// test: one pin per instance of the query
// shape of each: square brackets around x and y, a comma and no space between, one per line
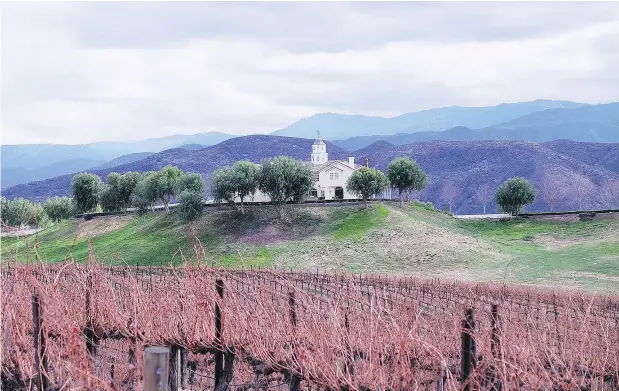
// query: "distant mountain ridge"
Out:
[466,164]
[599,123]
[39,155]
[13,176]
[341,126]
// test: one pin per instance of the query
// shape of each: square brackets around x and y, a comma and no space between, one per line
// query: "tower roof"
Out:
[319,142]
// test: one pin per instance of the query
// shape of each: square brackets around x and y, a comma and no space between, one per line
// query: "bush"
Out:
[190,206]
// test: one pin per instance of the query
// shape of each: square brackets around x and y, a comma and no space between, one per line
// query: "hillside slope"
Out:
[384,239]
[595,154]
[467,164]
[472,163]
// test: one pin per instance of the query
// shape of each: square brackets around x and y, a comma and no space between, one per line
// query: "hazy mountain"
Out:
[31,156]
[467,164]
[13,176]
[193,146]
[340,126]
[124,159]
[598,123]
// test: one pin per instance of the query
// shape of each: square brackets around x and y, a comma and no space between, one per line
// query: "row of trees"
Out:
[285,179]
[21,212]
[139,190]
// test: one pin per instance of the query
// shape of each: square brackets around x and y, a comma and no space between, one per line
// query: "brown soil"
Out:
[99,226]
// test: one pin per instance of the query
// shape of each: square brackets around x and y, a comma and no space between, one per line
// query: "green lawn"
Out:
[384,238]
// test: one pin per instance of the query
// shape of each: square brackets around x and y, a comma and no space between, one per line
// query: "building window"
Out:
[334,176]
[316,176]
[314,192]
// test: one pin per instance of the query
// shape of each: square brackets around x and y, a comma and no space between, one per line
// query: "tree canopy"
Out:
[59,208]
[514,194]
[86,189]
[284,179]
[405,175]
[367,182]
[190,182]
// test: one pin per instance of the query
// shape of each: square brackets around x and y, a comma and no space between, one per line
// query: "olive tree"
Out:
[405,175]
[514,194]
[241,180]
[20,212]
[246,180]
[144,195]
[110,195]
[222,185]
[166,183]
[86,189]
[190,207]
[284,179]
[17,212]
[191,182]
[59,208]
[126,187]
[3,208]
[367,182]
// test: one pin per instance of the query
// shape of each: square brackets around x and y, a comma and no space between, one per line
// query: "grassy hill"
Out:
[384,239]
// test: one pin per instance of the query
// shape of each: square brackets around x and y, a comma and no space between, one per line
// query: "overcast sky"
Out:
[84,72]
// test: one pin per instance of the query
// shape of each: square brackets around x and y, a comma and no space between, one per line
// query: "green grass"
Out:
[383,238]
[358,224]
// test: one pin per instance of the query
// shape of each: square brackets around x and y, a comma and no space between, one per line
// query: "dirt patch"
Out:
[553,242]
[99,226]
[268,235]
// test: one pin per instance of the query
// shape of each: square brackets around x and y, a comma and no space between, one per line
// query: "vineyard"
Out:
[85,326]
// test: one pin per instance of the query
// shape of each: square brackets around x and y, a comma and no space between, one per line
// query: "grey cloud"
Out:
[301,27]
[81,72]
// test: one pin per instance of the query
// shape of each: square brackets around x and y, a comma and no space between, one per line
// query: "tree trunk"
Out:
[281,210]
[366,203]
[401,199]
[242,207]
[166,207]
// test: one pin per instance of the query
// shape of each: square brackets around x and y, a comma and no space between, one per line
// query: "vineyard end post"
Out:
[468,325]
[156,369]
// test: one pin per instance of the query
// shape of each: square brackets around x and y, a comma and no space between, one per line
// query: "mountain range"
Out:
[466,165]
[539,121]
[599,123]
[339,126]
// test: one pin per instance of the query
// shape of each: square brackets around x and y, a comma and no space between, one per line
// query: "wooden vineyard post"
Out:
[175,368]
[295,380]
[156,370]
[40,360]
[468,349]
[219,354]
[495,347]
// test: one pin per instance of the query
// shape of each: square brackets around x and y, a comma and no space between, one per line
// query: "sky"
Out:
[85,72]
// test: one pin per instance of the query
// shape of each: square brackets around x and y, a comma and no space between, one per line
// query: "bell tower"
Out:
[319,150]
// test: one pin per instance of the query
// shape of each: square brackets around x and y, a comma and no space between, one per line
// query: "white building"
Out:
[330,176]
